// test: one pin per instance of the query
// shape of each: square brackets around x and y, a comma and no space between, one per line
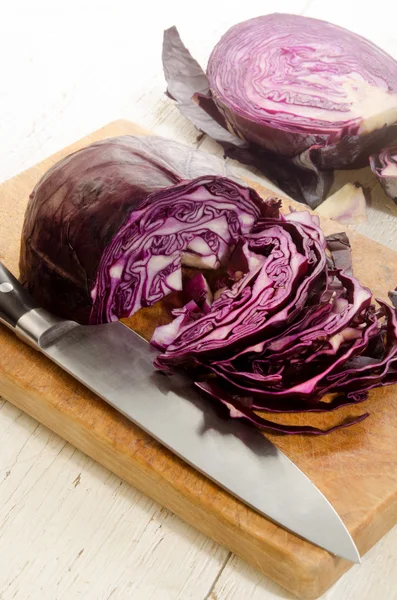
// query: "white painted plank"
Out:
[71,529]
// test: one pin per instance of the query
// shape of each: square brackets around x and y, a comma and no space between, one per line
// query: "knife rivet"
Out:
[6,287]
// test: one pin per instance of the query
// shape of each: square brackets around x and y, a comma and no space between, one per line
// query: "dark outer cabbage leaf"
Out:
[185,77]
[393,297]
[339,246]
[384,165]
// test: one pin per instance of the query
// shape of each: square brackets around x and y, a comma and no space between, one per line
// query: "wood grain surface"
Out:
[355,468]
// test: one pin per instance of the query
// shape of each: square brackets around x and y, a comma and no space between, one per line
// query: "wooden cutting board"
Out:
[355,468]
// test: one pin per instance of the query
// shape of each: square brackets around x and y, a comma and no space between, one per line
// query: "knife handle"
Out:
[20,312]
[14,299]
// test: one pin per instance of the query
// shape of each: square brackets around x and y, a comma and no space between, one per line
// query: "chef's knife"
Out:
[117,364]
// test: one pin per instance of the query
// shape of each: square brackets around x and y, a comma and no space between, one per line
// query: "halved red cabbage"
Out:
[82,202]
[289,86]
[384,165]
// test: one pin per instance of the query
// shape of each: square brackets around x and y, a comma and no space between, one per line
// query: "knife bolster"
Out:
[34,324]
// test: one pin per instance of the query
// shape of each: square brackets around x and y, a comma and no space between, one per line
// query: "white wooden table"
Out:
[69,528]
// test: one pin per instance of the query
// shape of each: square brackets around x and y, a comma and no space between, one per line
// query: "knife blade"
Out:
[117,364]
